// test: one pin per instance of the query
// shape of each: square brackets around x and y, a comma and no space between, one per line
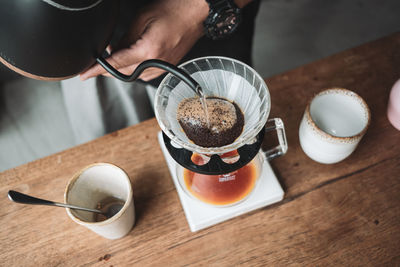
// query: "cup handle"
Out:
[281,149]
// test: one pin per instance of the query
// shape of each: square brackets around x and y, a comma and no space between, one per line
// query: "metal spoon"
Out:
[108,210]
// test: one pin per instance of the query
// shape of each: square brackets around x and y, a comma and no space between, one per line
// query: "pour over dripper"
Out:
[218,77]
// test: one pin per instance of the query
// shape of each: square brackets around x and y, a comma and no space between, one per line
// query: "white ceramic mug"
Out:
[92,185]
[333,124]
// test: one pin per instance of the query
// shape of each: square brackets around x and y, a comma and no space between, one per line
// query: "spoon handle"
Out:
[25,199]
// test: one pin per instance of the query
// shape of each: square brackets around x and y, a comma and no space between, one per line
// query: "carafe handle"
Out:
[281,149]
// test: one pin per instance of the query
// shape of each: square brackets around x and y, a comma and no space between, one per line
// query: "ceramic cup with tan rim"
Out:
[333,124]
[99,183]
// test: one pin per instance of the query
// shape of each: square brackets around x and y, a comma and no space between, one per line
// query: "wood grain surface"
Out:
[345,214]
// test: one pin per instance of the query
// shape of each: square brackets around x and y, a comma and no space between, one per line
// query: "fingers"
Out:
[151,74]
[129,52]
[147,75]
[97,69]
[127,59]
[92,72]
[109,49]
[126,70]
[118,60]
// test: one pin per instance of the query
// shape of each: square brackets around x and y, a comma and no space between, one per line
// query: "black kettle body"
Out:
[55,39]
[58,39]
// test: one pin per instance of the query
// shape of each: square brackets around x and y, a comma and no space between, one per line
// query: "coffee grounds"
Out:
[226,121]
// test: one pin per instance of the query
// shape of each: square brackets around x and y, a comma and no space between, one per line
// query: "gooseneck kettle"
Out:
[58,39]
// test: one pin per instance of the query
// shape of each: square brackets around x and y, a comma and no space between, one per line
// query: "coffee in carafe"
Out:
[223,189]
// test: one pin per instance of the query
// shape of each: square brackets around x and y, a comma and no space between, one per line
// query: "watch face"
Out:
[226,22]
[223,23]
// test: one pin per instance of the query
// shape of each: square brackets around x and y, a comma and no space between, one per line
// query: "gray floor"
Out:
[289,33]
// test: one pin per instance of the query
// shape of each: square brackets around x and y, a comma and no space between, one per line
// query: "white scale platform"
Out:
[200,215]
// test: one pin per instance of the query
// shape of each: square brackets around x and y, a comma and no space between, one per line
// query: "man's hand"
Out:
[165,30]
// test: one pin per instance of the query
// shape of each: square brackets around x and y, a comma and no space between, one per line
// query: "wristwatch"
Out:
[223,19]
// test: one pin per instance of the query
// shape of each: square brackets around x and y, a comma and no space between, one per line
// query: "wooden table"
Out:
[342,214]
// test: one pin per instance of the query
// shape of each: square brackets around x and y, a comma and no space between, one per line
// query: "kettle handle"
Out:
[151,63]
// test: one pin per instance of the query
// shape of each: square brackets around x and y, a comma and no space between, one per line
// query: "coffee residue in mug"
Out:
[104,204]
